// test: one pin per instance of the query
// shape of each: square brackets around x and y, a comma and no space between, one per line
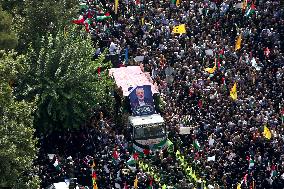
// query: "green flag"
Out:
[100,18]
[196,145]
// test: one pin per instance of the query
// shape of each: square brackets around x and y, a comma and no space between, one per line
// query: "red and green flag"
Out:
[133,160]
[273,171]
[115,156]
[250,10]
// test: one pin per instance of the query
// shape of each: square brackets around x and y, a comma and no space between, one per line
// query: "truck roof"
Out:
[145,120]
[131,76]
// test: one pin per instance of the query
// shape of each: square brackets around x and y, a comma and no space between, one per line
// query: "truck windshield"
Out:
[147,132]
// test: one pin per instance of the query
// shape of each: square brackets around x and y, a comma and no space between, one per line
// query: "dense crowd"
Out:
[229,130]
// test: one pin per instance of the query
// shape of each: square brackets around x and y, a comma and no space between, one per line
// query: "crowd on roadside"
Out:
[230,131]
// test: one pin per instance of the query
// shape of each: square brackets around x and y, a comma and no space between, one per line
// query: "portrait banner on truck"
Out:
[141,100]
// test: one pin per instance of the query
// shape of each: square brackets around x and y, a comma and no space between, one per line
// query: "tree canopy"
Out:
[17,142]
[38,18]
[8,38]
[65,79]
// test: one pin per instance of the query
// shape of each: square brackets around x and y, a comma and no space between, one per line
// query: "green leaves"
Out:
[64,77]
[8,39]
[17,142]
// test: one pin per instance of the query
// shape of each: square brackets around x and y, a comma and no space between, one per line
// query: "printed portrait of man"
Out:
[140,99]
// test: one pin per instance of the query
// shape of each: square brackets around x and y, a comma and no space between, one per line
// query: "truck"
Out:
[145,125]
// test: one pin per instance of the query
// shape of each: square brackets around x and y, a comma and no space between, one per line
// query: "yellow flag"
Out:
[136,182]
[142,21]
[233,92]
[211,70]
[177,3]
[179,29]
[266,132]
[115,6]
[239,186]
[238,42]
[95,186]
[92,166]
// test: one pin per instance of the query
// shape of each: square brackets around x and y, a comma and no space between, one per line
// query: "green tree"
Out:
[17,142]
[38,18]
[12,6]
[8,38]
[65,79]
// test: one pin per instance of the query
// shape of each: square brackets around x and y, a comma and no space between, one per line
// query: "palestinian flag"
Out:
[115,156]
[146,150]
[273,171]
[79,21]
[221,53]
[196,145]
[133,159]
[56,164]
[250,10]
[251,162]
